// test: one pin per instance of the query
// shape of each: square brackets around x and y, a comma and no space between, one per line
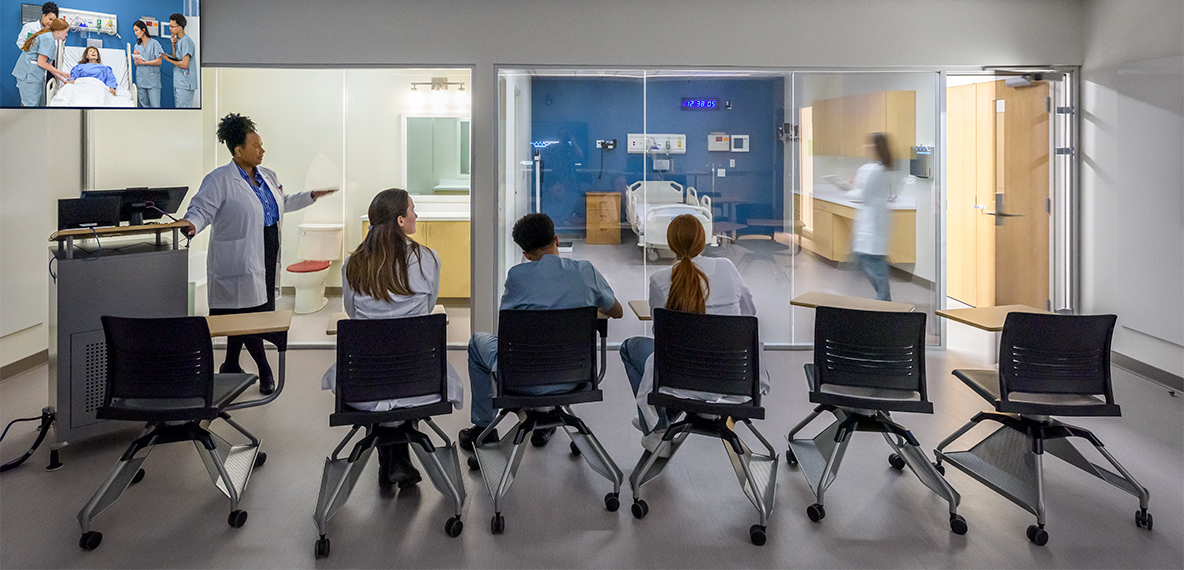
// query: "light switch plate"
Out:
[721,172]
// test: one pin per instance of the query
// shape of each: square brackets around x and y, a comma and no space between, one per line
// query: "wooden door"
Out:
[1022,179]
[961,179]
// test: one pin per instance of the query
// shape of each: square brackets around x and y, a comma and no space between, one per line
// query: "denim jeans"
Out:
[634,352]
[482,365]
[876,269]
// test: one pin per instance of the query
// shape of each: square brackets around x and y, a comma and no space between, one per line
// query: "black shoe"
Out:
[402,471]
[384,467]
[266,382]
[540,437]
[467,436]
[226,368]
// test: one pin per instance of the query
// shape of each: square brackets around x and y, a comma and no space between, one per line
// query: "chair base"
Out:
[230,467]
[340,474]
[819,458]
[756,472]
[1009,461]
[499,460]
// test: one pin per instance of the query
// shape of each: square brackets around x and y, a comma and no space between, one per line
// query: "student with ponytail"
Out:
[695,284]
[389,276]
[37,56]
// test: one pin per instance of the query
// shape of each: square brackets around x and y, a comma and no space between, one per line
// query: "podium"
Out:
[145,276]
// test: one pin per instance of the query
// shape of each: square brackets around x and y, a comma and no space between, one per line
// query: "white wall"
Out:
[1117,202]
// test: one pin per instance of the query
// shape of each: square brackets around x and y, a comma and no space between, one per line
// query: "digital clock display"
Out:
[695,103]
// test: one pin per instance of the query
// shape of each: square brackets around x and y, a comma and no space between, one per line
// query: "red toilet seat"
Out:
[311,266]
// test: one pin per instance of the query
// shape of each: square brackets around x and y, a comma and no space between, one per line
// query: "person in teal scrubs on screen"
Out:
[184,52]
[147,55]
[37,56]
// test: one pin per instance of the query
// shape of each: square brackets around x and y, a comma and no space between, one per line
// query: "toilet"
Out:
[320,244]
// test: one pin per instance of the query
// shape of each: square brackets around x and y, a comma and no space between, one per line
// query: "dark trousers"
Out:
[254,344]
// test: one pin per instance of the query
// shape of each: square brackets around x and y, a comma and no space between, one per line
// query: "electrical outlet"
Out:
[732,163]
[607,145]
[720,172]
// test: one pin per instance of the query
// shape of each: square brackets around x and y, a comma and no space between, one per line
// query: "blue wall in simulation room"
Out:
[128,11]
[604,108]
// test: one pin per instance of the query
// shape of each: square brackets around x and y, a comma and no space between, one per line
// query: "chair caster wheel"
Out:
[575,449]
[896,461]
[958,524]
[139,477]
[1037,535]
[453,526]
[321,550]
[1143,519]
[756,533]
[237,518]
[497,524]
[816,512]
[260,459]
[640,508]
[940,468]
[474,465]
[90,540]
[612,502]
[790,458]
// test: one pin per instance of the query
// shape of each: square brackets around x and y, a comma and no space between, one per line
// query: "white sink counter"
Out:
[443,208]
[835,195]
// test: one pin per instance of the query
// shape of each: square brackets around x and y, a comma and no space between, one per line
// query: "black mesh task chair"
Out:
[161,371]
[390,359]
[719,355]
[536,349]
[1049,365]
[867,364]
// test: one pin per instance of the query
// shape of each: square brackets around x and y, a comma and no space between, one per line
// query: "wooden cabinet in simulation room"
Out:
[834,225]
[451,241]
[604,217]
[841,125]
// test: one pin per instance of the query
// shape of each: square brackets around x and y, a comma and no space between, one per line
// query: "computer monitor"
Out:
[139,204]
[88,212]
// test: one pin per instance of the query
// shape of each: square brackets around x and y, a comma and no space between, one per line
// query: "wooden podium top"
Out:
[115,231]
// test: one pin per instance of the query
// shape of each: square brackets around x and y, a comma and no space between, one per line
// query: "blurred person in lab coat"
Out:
[244,203]
[869,240]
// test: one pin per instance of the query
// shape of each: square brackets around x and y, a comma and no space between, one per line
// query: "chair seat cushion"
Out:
[986,384]
[872,394]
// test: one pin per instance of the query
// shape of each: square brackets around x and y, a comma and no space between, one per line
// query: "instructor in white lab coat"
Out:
[244,203]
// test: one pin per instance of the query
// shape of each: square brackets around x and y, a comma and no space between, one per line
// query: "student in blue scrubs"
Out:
[184,50]
[39,52]
[147,54]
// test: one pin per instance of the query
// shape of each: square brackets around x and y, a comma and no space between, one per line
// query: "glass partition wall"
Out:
[761,157]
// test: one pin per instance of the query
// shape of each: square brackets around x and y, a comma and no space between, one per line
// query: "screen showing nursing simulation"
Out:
[101,54]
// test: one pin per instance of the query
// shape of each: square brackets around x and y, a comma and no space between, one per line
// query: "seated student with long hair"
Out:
[694,284]
[391,276]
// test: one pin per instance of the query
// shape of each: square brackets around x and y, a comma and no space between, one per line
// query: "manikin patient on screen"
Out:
[91,65]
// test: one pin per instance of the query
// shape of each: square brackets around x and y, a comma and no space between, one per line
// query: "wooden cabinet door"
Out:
[451,240]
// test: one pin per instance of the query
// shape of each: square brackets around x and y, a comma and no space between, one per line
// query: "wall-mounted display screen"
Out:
[698,103]
[91,54]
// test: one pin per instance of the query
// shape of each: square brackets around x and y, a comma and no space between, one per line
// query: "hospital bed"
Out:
[120,61]
[651,204]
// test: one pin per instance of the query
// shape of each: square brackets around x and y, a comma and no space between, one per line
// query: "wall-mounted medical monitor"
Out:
[100,54]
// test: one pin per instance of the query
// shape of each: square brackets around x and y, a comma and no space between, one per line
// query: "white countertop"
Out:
[835,195]
[442,208]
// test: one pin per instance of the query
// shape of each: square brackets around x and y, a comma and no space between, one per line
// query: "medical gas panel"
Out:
[642,143]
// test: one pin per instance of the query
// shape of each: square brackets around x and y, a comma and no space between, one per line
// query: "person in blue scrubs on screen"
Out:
[184,52]
[147,56]
[37,56]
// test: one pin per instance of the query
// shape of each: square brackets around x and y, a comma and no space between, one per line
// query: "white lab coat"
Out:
[236,276]
[872,222]
[27,30]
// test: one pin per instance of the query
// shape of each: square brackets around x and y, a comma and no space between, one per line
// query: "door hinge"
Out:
[1065,110]
[1048,104]
[1048,205]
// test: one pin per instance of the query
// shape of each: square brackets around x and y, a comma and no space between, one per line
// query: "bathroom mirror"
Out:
[436,154]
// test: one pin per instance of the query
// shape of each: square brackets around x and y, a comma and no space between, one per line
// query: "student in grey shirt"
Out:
[185,74]
[546,281]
